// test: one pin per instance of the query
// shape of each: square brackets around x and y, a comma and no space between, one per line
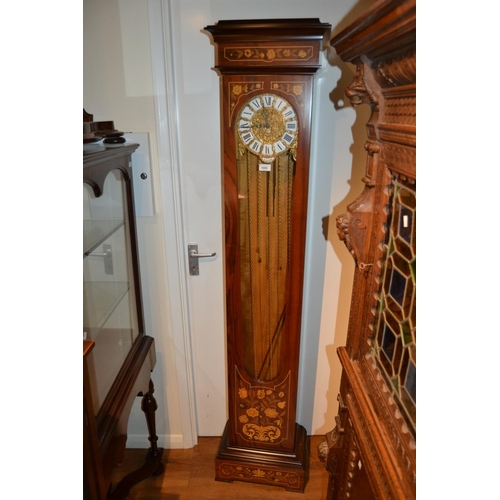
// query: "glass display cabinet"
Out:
[118,357]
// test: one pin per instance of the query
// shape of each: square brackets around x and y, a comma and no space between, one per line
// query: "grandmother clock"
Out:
[267,69]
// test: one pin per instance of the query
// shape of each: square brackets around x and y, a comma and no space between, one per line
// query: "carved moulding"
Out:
[363,226]
[330,450]
[342,453]
[400,110]
[353,466]
[400,159]
[399,71]
[357,92]
[364,233]
[332,441]
[352,226]
[374,446]
[397,429]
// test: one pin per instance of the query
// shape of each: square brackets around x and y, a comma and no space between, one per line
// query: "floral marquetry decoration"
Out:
[395,333]
[268,54]
[240,89]
[262,412]
[260,474]
[296,90]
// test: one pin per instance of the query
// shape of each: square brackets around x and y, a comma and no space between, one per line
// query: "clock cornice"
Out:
[276,46]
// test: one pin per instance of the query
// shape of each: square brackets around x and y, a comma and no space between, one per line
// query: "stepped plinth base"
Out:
[288,470]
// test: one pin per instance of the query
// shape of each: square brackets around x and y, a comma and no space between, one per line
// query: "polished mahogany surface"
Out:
[266,69]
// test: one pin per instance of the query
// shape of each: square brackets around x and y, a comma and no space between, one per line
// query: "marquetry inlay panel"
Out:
[260,474]
[269,53]
[262,411]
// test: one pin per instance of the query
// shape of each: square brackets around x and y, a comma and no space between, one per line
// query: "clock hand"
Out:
[266,116]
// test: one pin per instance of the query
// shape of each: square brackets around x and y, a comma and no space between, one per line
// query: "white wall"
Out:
[118,86]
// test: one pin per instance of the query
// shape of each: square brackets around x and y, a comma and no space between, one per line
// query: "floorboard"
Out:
[189,475]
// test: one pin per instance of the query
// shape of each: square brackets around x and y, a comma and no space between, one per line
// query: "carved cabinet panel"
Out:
[371,453]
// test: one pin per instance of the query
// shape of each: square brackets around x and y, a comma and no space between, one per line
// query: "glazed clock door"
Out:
[267,70]
[267,144]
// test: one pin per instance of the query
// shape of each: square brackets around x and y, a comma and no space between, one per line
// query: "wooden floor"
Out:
[189,475]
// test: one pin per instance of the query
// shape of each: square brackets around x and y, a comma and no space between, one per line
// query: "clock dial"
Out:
[244,125]
[267,126]
[247,113]
[280,104]
[268,100]
[267,150]
[256,104]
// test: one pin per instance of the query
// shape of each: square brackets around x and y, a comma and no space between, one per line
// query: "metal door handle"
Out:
[196,255]
[107,253]
[194,269]
[108,257]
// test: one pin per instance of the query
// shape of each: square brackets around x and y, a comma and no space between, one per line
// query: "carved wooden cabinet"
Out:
[118,357]
[371,453]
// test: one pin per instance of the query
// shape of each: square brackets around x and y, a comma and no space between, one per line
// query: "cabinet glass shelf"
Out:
[102,298]
[96,231]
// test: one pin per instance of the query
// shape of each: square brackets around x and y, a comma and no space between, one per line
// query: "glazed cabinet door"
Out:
[110,311]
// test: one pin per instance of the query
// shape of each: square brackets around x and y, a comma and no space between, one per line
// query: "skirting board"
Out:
[168,442]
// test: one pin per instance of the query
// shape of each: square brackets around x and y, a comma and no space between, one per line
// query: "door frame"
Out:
[166,115]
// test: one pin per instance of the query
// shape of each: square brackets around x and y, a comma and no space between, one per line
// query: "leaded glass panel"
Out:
[395,326]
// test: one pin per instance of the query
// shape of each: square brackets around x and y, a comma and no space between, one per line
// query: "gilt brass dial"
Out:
[267,126]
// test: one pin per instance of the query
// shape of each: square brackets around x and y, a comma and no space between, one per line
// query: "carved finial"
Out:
[372,147]
[357,91]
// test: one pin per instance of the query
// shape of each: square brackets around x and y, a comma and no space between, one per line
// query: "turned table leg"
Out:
[149,407]
[153,465]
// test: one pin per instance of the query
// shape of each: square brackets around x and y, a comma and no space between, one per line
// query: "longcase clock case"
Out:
[267,69]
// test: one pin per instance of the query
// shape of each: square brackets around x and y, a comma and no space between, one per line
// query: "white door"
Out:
[189,142]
